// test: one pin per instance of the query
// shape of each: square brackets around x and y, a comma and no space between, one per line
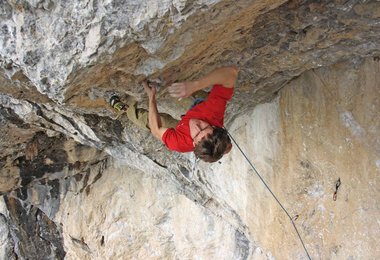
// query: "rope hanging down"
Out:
[274,196]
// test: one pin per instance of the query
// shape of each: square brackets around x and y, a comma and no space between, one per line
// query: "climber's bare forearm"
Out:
[155,120]
[225,76]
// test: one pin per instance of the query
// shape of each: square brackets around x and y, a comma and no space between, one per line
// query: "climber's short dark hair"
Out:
[214,146]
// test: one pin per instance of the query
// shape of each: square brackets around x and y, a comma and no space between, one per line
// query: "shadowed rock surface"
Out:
[79,182]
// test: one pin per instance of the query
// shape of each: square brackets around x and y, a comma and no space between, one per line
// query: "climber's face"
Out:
[199,130]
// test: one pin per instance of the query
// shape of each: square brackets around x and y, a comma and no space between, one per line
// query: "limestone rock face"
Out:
[79,182]
[322,127]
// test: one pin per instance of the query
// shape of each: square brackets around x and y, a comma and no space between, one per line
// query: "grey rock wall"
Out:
[34,235]
[60,62]
[49,40]
[322,127]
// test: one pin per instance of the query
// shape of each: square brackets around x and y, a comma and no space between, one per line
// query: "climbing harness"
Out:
[197,101]
[274,196]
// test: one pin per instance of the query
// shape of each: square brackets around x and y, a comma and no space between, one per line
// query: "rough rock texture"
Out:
[78,182]
[323,127]
[37,235]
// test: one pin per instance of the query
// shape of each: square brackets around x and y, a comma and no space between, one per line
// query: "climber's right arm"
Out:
[225,76]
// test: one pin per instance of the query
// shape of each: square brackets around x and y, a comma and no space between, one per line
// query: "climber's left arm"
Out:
[155,124]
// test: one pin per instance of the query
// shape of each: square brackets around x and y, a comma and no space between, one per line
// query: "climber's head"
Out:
[214,145]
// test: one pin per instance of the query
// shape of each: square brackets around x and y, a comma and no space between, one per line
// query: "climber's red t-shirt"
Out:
[210,110]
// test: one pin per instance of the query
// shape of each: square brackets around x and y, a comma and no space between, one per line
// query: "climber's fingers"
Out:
[180,90]
[150,90]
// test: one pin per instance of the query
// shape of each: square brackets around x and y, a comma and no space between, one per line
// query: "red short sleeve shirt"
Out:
[211,110]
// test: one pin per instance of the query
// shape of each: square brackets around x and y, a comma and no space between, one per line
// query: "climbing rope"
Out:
[274,196]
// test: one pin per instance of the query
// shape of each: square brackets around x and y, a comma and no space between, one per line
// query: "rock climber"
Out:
[201,128]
